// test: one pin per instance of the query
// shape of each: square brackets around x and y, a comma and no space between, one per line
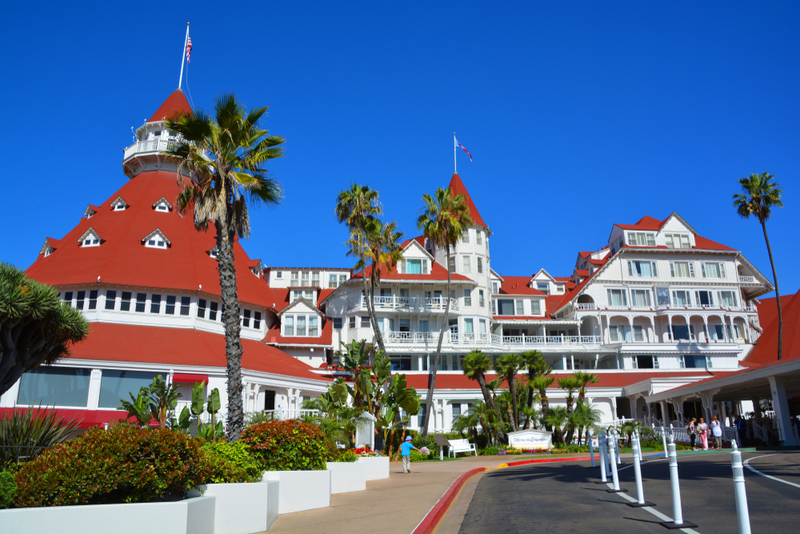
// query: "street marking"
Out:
[653,511]
[756,471]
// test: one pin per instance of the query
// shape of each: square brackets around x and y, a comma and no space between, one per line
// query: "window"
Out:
[80,300]
[520,307]
[111,299]
[662,296]
[201,308]
[288,325]
[91,241]
[313,326]
[185,302]
[681,298]
[617,297]
[481,300]
[55,386]
[315,279]
[495,288]
[704,298]
[141,302]
[212,311]
[333,281]
[677,241]
[414,266]
[619,333]
[645,362]
[640,297]
[126,301]
[505,307]
[301,325]
[257,320]
[467,297]
[641,239]
[115,385]
[469,330]
[713,270]
[246,319]
[295,279]
[279,274]
[457,407]
[482,324]
[352,322]
[451,264]
[365,322]
[694,361]
[214,253]
[401,363]
[727,299]
[465,236]
[544,287]
[638,333]
[93,299]
[682,332]
[479,237]
[681,269]
[535,307]
[304,279]
[642,269]
[68,298]
[716,332]
[170,305]
[480,265]
[466,264]
[337,323]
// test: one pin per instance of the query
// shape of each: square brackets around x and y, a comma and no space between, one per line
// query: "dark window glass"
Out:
[80,299]
[246,320]
[337,322]
[68,298]
[55,386]
[185,301]
[170,305]
[141,301]
[644,362]
[505,307]
[212,312]
[257,321]
[111,299]
[201,308]
[116,385]
[93,299]
[126,301]
[155,304]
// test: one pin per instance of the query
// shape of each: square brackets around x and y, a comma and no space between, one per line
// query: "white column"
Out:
[781,406]
[664,413]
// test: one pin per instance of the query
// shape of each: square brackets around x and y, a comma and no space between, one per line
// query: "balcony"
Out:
[748,280]
[404,304]
[150,146]
[452,340]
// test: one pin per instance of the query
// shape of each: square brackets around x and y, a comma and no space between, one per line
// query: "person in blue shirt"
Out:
[405,452]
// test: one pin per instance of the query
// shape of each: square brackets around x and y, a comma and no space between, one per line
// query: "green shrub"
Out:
[348,456]
[488,451]
[25,433]
[124,464]
[8,487]
[287,445]
[232,462]
[418,456]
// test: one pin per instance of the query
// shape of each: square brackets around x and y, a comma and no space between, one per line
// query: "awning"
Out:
[179,378]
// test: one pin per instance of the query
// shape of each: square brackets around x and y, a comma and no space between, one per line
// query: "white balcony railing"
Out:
[149,145]
[404,303]
[748,280]
[491,340]
[586,306]
[284,414]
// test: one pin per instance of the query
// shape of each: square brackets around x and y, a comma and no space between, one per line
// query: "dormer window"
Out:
[257,269]
[162,205]
[46,249]
[544,287]
[89,211]
[214,253]
[677,241]
[119,204]
[156,239]
[416,266]
[641,239]
[89,239]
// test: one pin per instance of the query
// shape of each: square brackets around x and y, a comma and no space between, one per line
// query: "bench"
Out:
[461,445]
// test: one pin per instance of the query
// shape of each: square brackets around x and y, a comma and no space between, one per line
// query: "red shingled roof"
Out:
[122,259]
[766,349]
[181,346]
[645,223]
[518,285]
[703,243]
[457,186]
[437,273]
[174,104]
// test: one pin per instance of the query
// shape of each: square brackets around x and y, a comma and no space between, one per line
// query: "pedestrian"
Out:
[378,442]
[716,430]
[702,429]
[741,430]
[691,430]
[405,452]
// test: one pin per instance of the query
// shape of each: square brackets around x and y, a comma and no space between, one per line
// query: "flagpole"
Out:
[183,56]
[455,165]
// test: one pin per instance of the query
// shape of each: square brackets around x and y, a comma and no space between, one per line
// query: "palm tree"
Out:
[557,418]
[584,417]
[508,365]
[540,384]
[760,196]
[583,379]
[443,218]
[221,166]
[537,367]
[358,208]
[571,385]
[476,365]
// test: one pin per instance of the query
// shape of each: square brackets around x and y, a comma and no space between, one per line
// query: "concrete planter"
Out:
[242,508]
[347,476]
[190,516]
[377,466]
[301,490]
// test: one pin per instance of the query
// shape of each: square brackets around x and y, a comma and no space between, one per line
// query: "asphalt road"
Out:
[563,498]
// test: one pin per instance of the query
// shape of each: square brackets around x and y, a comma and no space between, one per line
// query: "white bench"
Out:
[461,445]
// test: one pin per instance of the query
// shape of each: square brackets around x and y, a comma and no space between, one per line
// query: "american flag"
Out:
[188,49]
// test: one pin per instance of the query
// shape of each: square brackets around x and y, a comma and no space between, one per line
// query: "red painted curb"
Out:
[431,520]
[549,460]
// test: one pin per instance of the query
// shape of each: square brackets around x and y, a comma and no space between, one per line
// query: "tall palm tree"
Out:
[443,218]
[221,167]
[507,365]
[584,379]
[358,208]
[760,196]
[476,365]
[382,251]
[570,384]
[541,383]
[584,417]
[557,419]
[536,367]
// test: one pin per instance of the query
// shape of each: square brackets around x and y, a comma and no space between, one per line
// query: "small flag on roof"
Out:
[459,145]
[188,49]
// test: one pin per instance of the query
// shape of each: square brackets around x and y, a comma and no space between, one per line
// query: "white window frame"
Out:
[673,270]
[721,267]
[480,265]
[466,263]
[467,297]
[634,271]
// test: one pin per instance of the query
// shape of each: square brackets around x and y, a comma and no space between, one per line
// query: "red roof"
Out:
[518,285]
[645,223]
[437,273]
[176,103]
[181,346]
[706,244]
[122,258]
[274,336]
[766,349]
[457,186]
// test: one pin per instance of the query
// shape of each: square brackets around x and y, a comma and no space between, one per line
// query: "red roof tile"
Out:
[766,349]
[437,273]
[645,223]
[457,186]
[518,285]
[175,103]
[703,243]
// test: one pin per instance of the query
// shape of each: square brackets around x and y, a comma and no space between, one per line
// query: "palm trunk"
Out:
[230,320]
[514,408]
[374,320]
[545,406]
[777,293]
[434,365]
[376,334]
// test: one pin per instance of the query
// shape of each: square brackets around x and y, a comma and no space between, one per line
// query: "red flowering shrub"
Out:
[124,464]
[287,445]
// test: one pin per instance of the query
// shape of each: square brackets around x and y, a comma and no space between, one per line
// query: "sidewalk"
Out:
[396,505]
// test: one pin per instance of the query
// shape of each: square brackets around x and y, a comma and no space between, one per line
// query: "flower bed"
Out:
[365,452]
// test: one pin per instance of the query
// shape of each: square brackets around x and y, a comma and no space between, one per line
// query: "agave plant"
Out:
[25,434]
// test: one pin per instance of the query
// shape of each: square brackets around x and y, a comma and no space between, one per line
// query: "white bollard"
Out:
[637,469]
[639,437]
[591,444]
[739,491]
[664,439]
[614,474]
[601,442]
[616,446]
[677,510]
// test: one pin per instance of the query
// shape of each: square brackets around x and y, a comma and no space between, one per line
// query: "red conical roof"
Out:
[176,103]
[457,186]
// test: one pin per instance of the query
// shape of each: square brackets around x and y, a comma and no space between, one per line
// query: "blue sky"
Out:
[578,114]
